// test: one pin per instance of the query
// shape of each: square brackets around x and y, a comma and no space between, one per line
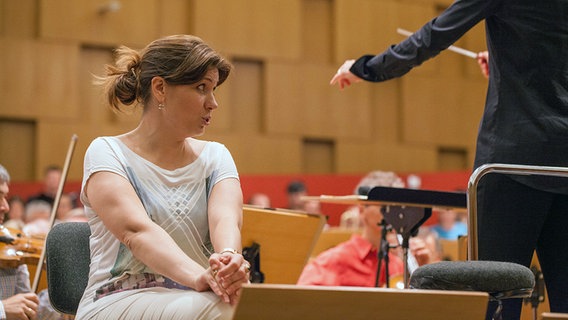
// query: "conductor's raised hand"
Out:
[483,61]
[344,77]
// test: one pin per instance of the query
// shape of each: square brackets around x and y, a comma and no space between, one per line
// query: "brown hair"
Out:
[179,59]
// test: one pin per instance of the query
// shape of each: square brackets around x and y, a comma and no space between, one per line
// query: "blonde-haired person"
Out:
[164,208]
[37,217]
[350,219]
[355,261]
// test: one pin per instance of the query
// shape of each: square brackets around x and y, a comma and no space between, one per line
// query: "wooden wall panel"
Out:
[240,100]
[425,108]
[300,101]
[38,79]
[174,17]
[95,111]
[285,109]
[56,88]
[370,26]
[17,78]
[386,111]
[317,31]
[363,27]
[353,157]
[18,19]
[257,154]
[133,23]
[94,106]
[442,111]
[278,97]
[250,28]
[440,3]
[453,158]
[53,139]
[318,156]
[17,142]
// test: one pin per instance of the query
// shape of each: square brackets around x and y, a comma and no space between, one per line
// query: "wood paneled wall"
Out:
[278,113]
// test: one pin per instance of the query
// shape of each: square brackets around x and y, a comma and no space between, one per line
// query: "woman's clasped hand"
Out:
[226,275]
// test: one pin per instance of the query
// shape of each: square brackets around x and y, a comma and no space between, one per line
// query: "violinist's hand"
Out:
[21,306]
[230,271]
[483,61]
[344,77]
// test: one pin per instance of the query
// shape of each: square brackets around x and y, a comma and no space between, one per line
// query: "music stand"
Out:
[286,239]
[407,209]
[414,205]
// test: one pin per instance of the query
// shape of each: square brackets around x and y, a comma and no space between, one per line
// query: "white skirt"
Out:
[159,303]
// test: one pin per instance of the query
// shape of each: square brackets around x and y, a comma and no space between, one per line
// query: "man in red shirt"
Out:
[355,262]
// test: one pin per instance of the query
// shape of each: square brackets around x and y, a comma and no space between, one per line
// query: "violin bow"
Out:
[54,208]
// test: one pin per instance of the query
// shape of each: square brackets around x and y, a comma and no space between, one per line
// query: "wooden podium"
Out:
[280,302]
[286,240]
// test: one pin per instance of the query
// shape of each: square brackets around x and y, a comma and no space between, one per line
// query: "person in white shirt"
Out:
[164,208]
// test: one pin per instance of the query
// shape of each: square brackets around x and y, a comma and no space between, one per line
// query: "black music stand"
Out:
[407,209]
[406,221]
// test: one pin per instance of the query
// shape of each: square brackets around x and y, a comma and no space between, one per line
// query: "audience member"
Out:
[413,181]
[350,219]
[425,247]
[15,217]
[260,200]
[448,226]
[76,215]
[295,191]
[355,262]
[312,206]
[37,218]
[51,178]
[66,204]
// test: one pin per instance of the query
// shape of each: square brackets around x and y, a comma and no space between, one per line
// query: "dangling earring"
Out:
[161,106]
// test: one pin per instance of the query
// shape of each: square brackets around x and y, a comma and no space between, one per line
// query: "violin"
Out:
[17,249]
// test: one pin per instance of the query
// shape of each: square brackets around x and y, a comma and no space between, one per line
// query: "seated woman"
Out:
[164,208]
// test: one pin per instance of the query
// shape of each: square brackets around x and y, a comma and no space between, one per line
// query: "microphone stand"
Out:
[383,254]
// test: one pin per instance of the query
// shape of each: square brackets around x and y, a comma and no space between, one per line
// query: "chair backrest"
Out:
[67,260]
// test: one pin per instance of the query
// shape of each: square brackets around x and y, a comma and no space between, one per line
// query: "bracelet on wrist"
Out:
[229,250]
